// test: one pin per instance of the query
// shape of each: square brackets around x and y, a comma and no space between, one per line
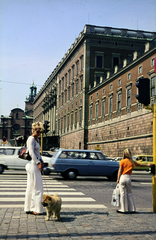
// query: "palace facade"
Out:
[91,92]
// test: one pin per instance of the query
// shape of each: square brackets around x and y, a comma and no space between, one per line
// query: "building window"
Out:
[153,86]
[62,98]
[61,124]
[16,115]
[62,83]
[128,96]
[115,61]
[66,80]
[69,76]
[72,89]
[81,62]
[64,123]
[119,82]
[77,86]
[68,93]
[152,62]
[140,69]
[99,61]
[129,76]
[111,104]
[71,120]
[68,122]
[103,90]
[73,71]
[81,83]
[97,110]
[77,67]
[80,117]
[119,101]
[103,108]
[91,114]
[65,99]
[75,119]
[97,95]
[111,86]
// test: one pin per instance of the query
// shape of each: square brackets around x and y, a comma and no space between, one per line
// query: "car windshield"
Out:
[82,155]
[7,151]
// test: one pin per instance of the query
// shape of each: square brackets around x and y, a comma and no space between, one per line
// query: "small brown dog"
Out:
[52,204]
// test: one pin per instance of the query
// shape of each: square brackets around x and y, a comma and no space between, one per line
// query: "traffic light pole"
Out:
[154,158]
[153,108]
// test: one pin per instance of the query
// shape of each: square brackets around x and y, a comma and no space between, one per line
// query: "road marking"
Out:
[63,206]
[18,185]
[50,193]
[87,199]
[24,188]
[146,183]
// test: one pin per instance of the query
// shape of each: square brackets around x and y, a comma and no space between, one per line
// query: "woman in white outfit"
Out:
[124,180]
[34,191]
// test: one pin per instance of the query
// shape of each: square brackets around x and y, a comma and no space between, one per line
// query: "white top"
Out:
[34,149]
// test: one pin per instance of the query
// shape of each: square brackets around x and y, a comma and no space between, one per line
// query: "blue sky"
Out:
[35,35]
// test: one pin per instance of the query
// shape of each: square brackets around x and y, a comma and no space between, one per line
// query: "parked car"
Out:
[9,160]
[72,163]
[47,154]
[143,159]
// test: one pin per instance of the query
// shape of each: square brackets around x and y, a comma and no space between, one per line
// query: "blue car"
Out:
[71,163]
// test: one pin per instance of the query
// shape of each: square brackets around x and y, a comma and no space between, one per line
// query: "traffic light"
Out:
[143,86]
[46,126]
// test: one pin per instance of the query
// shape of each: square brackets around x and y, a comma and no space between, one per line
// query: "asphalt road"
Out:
[98,188]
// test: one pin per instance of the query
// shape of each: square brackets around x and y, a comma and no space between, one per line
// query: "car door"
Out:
[20,163]
[98,165]
[9,157]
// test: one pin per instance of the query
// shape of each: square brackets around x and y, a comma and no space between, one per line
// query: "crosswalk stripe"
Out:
[50,193]
[51,185]
[85,206]
[21,183]
[14,199]
[24,188]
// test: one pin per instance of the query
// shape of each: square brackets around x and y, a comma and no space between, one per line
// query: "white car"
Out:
[9,160]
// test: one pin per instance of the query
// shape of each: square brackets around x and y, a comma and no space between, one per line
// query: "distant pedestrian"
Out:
[124,179]
[34,191]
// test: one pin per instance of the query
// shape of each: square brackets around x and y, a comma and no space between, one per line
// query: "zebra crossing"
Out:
[12,192]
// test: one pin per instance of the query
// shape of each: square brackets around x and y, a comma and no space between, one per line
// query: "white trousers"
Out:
[34,191]
[126,192]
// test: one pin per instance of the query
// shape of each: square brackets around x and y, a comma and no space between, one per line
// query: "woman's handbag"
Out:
[116,197]
[24,154]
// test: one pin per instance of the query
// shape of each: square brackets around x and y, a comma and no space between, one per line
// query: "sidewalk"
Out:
[78,224]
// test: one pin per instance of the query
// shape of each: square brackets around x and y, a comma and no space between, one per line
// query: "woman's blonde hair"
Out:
[37,125]
[127,154]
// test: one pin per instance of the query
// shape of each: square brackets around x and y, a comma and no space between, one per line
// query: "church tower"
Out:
[29,101]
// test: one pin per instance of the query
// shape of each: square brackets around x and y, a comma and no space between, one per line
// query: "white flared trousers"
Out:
[34,191]
[126,192]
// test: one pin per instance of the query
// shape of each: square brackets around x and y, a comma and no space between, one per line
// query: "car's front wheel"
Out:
[70,174]
[1,169]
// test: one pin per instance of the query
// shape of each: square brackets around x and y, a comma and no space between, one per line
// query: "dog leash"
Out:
[45,181]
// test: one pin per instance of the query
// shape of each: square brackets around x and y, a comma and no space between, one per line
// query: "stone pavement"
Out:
[78,224]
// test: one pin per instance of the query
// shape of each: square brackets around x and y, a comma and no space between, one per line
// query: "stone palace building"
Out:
[89,98]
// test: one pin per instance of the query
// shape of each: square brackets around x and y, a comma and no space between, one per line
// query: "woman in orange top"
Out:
[124,180]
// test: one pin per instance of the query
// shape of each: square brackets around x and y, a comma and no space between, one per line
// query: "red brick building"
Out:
[116,119]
